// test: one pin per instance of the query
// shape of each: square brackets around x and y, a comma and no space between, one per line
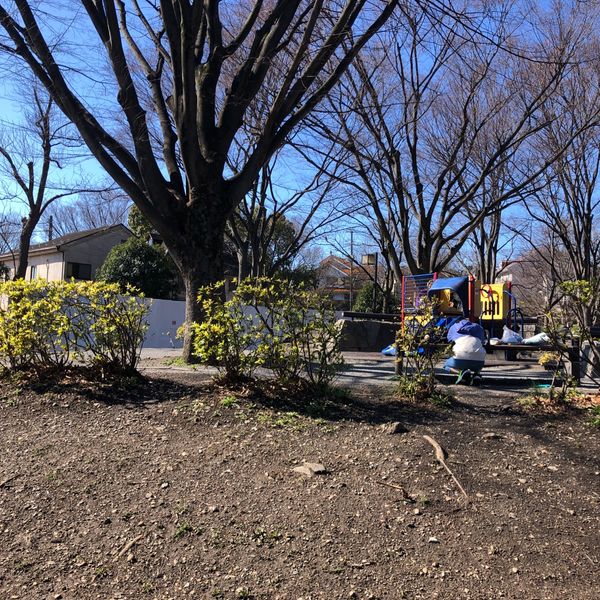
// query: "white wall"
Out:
[165,318]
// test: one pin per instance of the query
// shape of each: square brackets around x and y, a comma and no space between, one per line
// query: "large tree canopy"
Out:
[189,76]
[438,125]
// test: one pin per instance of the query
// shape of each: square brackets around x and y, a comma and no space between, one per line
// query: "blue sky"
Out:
[103,96]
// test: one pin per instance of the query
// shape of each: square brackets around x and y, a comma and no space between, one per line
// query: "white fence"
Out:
[164,319]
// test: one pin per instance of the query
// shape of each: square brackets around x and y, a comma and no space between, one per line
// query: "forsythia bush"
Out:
[271,323]
[417,356]
[56,324]
[226,337]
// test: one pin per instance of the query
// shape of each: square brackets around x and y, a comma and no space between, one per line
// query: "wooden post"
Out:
[574,366]
[399,365]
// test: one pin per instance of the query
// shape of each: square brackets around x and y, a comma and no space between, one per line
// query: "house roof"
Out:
[342,267]
[57,244]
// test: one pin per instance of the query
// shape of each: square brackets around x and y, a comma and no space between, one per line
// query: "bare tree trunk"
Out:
[243,264]
[198,254]
[24,245]
[193,280]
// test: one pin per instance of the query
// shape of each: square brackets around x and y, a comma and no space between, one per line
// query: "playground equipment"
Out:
[498,308]
[454,296]
[493,305]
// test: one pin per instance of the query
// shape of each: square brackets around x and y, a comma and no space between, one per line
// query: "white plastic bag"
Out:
[537,340]
[510,337]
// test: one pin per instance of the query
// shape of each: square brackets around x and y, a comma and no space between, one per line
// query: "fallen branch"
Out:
[129,545]
[405,494]
[589,558]
[9,479]
[441,458]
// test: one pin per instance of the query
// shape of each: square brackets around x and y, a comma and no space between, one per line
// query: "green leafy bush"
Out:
[272,323]
[226,337]
[364,300]
[33,330]
[45,325]
[582,302]
[420,345]
[147,268]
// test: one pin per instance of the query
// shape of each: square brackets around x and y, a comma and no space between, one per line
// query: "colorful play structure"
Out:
[492,305]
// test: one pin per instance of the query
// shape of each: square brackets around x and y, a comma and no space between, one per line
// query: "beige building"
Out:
[339,278]
[75,255]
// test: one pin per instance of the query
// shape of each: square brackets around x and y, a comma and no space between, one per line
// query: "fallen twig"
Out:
[441,458]
[405,494]
[128,546]
[589,558]
[9,479]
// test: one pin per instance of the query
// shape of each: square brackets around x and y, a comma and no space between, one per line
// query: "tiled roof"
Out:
[56,243]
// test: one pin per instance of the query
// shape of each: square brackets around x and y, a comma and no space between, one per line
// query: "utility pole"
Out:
[351,269]
[375,284]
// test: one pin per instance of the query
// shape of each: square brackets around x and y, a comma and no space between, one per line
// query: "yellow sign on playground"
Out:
[495,301]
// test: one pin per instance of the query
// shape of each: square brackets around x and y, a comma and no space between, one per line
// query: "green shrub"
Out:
[364,300]
[45,325]
[111,325]
[33,331]
[288,329]
[147,268]
[420,345]
[297,333]
[226,337]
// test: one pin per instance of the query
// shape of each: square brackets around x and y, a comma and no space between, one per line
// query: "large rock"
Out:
[310,469]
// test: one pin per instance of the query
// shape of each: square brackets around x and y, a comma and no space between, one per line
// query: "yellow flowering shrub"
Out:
[271,323]
[56,324]
[226,337]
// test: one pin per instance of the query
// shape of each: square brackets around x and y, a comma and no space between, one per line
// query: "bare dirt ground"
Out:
[173,489]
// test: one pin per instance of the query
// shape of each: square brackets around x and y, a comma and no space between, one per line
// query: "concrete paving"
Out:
[375,369]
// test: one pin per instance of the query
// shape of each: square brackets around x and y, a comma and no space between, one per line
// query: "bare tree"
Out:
[187,74]
[367,239]
[273,223]
[567,210]
[9,231]
[31,157]
[431,117]
[9,238]
[491,243]
[533,274]
[89,211]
